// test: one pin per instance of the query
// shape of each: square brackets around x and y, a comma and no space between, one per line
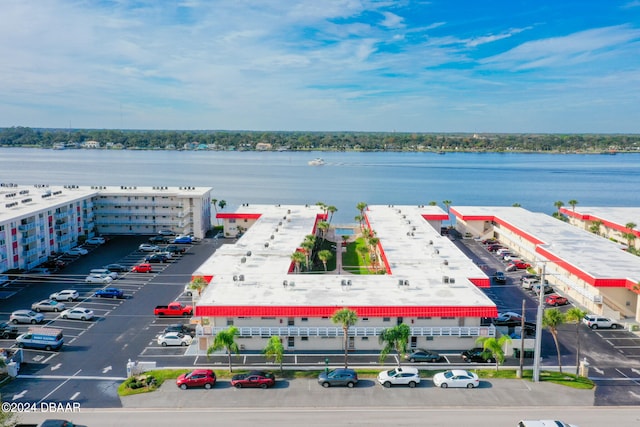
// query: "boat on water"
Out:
[316,162]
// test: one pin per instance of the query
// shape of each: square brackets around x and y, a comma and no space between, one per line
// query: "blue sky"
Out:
[552,66]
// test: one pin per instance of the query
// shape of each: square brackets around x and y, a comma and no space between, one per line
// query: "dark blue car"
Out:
[110,293]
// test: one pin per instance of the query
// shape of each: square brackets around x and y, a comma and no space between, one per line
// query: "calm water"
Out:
[535,181]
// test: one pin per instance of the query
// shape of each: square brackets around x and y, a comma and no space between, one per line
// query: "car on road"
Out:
[166,232]
[147,247]
[77,251]
[65,295]
[8,330]
[142,268]
[47,305]
[477,355]
[500,277]
[183,240]
[95,241]
[422,355]
[109,293]
[407,375]
[174,338]
[340,377]
[26,316]
[158,239]
[98,278]
[118,268]
[77,313]
[197,378]
[594,322]
[254,379]
[456,378]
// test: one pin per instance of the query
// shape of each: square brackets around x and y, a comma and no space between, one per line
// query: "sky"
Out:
[512,66]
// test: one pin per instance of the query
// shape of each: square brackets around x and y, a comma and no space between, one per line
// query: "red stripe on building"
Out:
[481,282]
[328,311]
[436,217]
[238,215]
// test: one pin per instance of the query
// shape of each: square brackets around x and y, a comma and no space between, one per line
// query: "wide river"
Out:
[535,181]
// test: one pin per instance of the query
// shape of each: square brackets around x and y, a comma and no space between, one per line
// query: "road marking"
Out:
[55,389]
[50,357]
[107,369]
[73,377]
[635,380]
[75,396]
[600,371]
[55,367]
[38,358]
[19,395]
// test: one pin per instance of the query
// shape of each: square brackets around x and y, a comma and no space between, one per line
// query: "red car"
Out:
[142,268]
[521,265]
[198,378]
[254,379]
[556,300]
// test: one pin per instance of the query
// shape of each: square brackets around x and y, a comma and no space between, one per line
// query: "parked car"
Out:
[508,316]
[156,258]
[183,240]
[175,249]
[174,338]
[147,247]
[500,251]
[158,239]
[77,313]
[118,268]
[166,232]
[477,355]
[26,316]
[98,278]
[197,378]
[547,289]
[47,305]
[494,247]
[341,376]
[77,251]
[8,331]
[529,282]
[142,268]
[544,423]
[456,378]
[95,241]
[520,265]
[407,375]
[65,295]
[594,322]
[109,293]
[254,379]
[104,272]
[422,355]
[556,300]
[500,277]
[183,328]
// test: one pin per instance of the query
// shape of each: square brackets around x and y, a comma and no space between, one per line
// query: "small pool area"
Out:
[343,231]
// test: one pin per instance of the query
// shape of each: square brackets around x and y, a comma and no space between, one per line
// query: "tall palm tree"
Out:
[359,219]
[215,209]
[595,227]
[630,236]
[573,204]
[551,319]
[222,204]
[323,226]
[307,247]
[493,347]
[558,204]
[575,315]
[446,204]
[394,339]
[324,256]
[274,350]
[298,258]
[332,210]
[226,339]
[361,206]
[347,318]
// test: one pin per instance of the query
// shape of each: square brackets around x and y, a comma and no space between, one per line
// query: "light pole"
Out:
[538,349]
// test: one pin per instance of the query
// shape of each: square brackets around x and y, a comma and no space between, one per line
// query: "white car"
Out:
[95,241]
[594,322]
[146,247]
[98,278]
[77,251]
[77,313]
[456,378]
[174,338]
[407,375]
[65,295]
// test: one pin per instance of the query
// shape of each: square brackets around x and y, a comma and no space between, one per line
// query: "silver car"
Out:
[47,305]
[26,316]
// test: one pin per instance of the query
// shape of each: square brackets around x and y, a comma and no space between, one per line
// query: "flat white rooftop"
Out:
[595,256]
[249,276]
[619,216]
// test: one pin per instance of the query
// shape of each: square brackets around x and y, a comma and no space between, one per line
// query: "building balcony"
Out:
[428,331]
[30,252]
[26,227]
[30,239]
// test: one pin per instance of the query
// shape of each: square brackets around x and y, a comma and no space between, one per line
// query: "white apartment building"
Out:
[40,220]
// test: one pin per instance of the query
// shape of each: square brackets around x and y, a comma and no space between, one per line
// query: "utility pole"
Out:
[538,350]
[522,335]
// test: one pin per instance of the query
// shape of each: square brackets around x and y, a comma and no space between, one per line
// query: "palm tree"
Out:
[575,315]
[558,205]
[595,227]
[222,204]
[198,284]
[359,219]
[517,205]
[307,247]
[274,350]
[347,318]
[324,256]
[361,206]
[363,251]
[215,208]
[630,236]
[493,347]
[551,319]
[394,339]
[226,339]
[446,204]
[433,203]
[298,258]
[323,226]
[573,204]
[331,209]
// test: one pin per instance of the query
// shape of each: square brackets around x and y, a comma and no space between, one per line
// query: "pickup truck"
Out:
[174,309]
[8,330]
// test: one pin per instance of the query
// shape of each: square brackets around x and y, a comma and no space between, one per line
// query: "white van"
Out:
[544,423]
[529,282]
[104,272]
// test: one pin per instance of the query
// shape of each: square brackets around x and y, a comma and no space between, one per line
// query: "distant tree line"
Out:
[330,141]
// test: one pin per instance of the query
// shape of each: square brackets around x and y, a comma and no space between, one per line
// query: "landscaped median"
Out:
[152,380]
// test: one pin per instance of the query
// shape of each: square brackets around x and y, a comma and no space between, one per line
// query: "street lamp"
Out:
[536,355]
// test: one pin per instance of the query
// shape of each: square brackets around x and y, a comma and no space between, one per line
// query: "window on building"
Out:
[365,319]
[229,322]
[365,338]
[304,338]
[304,319]
[291,342]
[386,319]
